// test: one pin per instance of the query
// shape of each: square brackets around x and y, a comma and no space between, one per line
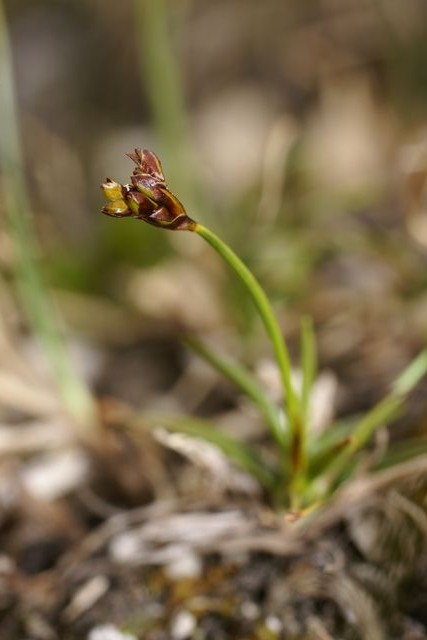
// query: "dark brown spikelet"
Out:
[147,197]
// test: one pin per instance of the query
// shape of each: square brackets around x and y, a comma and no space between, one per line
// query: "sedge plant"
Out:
[308,468]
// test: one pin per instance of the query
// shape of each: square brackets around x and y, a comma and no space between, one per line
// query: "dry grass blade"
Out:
[355,603]
[163,540]
[20,394]
[36,436]
[210,459]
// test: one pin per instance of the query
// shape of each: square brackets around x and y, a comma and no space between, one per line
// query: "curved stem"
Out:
[267,316]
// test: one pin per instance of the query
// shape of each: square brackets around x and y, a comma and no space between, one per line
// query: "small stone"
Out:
[125,548]
[188,565]
[86,597]
[249,610]
[273,624]
[183,625]
[53,475]
[7,565]
[109,632]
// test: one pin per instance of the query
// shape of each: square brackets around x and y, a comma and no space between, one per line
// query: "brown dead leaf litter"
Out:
[80,561]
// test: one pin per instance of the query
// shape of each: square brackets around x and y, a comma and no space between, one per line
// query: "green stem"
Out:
[263,306]
[271,325]
[308,369]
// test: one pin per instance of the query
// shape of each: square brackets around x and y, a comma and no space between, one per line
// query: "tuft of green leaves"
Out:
[330,458]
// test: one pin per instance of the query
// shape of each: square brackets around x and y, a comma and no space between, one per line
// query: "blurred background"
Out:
[297,130]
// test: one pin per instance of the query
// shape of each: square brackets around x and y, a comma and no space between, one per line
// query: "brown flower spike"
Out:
[147,197]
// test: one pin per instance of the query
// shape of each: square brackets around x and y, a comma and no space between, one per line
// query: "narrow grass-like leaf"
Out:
[317,446]
[383,413]
[34,297]
[379,416]
[399,452]
[247,384]
[239,453]
[324,457]
[412,375]
[299,447]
